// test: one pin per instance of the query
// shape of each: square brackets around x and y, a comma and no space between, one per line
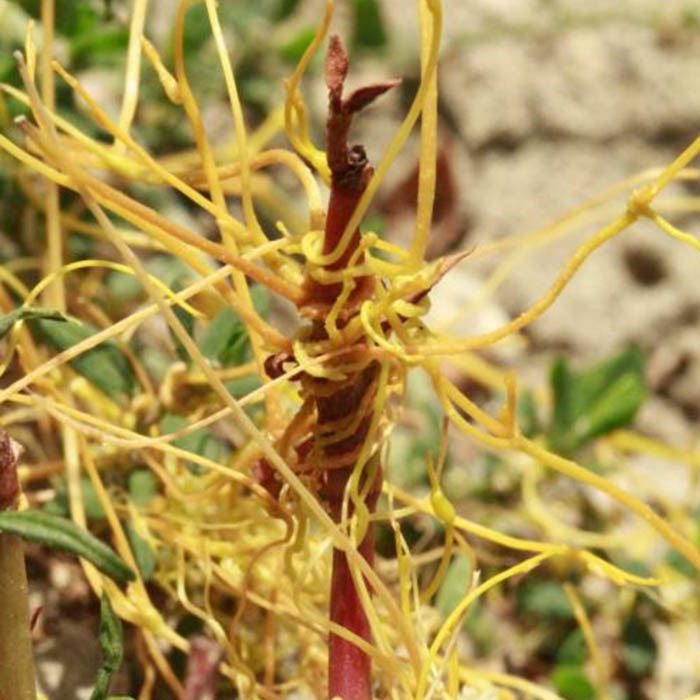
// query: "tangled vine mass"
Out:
[267,475]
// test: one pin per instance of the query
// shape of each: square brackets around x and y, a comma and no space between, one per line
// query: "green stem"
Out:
[16,653]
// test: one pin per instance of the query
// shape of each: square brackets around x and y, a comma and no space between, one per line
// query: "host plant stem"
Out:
[16,654]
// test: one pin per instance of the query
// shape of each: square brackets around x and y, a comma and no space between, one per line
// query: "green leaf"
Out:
[238,388]
[285,8]
[175,274]
[544,599]
[573,649]
[171,271]
[156,361]
[72,18]
[25,313]
[105,47]
[258,90]
[123,289]
[260,297]
[187,320]
[197,29]
[368,27]
[678,562]
[145,558]
[596,401]
[293,50]
[376,223]
[527,414]
[225,340]
[639,647]
[634,566]
[66,536]
[572,683]
[454,586]
[142,485]
[639,660]
[60,506]
[199,442]
[690,17]
[105,366]
[79,247]
[112,647]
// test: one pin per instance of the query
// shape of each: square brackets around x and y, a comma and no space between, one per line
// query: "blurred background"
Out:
[543,105]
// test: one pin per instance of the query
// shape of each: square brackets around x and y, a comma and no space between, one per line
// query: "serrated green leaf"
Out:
[593,402]
[105,366]
[7,321]
[65,535]
[112,647]
[454,586]
[572,683]
[145,558]
[368,26]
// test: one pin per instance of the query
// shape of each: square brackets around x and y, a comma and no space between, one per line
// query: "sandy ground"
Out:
[544,105]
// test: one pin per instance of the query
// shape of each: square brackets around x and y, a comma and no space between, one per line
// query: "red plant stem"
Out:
[341,206]
[345,194]
[349,667]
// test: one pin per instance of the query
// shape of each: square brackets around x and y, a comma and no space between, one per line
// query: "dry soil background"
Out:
[544,104]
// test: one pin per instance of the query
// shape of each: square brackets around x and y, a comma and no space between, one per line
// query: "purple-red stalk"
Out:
[349,667]
[327,449]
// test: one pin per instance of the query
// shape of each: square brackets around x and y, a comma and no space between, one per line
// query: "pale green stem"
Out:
[16,654]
